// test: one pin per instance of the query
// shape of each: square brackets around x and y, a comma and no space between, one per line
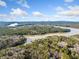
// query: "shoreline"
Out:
[74,31]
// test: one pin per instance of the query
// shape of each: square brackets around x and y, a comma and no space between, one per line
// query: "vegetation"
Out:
[54,47]
[31,30]
[11,41]
[13,44]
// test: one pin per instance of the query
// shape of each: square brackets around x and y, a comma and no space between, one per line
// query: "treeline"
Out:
[11,41]
[32,30]
[55,47]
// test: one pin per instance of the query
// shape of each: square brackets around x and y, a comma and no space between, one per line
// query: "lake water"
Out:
[73,31]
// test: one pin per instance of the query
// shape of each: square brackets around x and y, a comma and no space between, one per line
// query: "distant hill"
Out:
[4,24]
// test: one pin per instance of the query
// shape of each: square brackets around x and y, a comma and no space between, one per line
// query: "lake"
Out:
[73,31]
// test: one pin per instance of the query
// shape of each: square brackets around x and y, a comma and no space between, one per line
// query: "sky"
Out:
[39,10]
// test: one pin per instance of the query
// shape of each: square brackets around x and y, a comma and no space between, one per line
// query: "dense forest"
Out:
[31,30]
[52,47]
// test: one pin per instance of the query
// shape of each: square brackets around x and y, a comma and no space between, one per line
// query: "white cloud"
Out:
[70,13]
[73,11]
[60,14]
[43,16]
[23,3]
[59,8]
[14,14]
[2,3]
[38,14]
[73,7]
[68,0]
[6,16]
[18,12]
[2,15]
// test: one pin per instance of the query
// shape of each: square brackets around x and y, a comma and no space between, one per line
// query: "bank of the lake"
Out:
[74,31]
